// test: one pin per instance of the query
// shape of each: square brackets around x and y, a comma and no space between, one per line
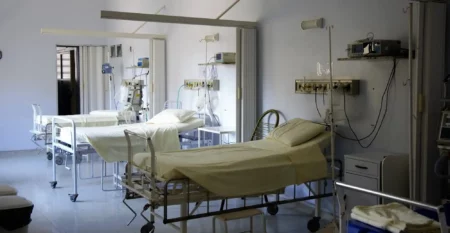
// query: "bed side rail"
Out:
[55,130]
[129,168]
[439,209]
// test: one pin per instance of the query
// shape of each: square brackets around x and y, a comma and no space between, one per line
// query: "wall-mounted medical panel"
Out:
[312,86]
[195,84]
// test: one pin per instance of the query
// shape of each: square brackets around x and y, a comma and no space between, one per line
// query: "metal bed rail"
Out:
[71,148]
[343,213]
[76,150]
[184,191]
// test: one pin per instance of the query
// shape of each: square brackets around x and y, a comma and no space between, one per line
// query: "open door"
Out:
[68,80]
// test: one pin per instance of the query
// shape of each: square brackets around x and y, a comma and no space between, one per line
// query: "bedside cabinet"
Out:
[383,172]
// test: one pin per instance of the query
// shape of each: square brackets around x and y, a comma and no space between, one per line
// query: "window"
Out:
[63,65]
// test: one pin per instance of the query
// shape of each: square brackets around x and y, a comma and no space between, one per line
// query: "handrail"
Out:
[438,209]
[392,197]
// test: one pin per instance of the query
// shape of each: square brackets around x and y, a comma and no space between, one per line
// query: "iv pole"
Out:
[207,39]
[319,23]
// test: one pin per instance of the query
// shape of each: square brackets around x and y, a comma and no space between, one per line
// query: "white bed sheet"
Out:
[166,137]
[121,115]
[244,168]
[84,120]
[66,132]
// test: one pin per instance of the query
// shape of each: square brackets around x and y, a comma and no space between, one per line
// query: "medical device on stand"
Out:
[107,69]
[206,105]
[132,95]
[442,166]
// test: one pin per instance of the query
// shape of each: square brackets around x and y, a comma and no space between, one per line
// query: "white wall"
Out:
[287,53]
[28,67]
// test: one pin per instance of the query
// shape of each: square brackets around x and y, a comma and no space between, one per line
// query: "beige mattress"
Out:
[80,120]
[245,168]
[66,132]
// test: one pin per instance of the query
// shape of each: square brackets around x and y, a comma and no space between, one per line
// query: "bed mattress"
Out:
[80,120]
[121,115]
[110,143]
[243,169]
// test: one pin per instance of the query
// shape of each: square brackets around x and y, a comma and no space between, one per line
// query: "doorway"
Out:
[68,78]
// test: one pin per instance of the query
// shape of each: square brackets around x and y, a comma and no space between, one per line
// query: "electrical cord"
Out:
[315,100]
[385,95]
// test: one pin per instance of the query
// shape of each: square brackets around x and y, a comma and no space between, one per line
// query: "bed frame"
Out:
[68,149]
[41,132]
[183,192]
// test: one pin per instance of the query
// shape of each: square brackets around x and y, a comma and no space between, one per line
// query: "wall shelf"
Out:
[136,67]
[215,63]
[370,58]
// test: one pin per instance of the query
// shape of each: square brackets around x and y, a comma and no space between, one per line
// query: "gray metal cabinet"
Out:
[384,172]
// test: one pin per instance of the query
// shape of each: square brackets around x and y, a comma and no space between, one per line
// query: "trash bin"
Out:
[15,214]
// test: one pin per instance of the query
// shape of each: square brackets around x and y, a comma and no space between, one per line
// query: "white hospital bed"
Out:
[110,143]
[41,130]
[250,169]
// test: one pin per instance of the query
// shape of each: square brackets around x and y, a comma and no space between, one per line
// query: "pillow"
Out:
[172,116]
[296,132]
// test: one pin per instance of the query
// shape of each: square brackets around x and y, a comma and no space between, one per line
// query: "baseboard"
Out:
[15,152]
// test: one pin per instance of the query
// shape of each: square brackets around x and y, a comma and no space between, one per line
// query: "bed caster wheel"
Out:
[148,228]
[49,155]
[314,224]
[53,184]
[59,160]
[73,197]
[272,209]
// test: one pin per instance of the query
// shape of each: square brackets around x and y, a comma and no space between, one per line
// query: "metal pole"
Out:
[143,24]
[228,9]
[331,118]
[388,196]
[411,105]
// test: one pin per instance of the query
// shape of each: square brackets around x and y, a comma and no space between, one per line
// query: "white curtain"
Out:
[93,83]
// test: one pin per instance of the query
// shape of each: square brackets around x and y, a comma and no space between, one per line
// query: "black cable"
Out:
[317,107]
[385,94]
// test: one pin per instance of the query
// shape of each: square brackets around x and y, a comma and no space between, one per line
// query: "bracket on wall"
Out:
[1,55]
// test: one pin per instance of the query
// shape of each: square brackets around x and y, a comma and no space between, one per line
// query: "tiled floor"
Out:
[99,211]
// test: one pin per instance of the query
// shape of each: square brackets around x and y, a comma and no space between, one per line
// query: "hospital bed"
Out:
[110,143]
[41,130]
[259,169]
